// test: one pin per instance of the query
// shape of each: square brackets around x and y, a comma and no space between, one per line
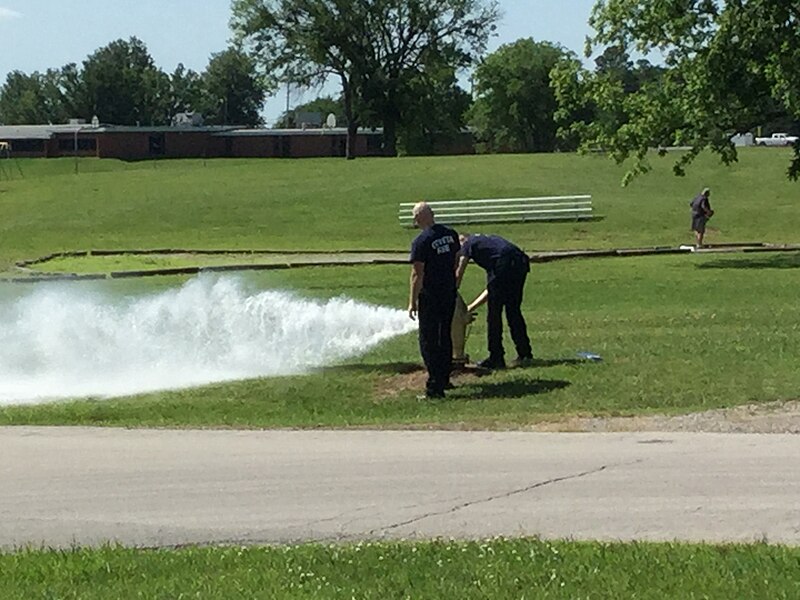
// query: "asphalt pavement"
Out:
[160,488]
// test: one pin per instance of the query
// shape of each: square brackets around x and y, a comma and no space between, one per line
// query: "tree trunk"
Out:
[352,123]
[390,136]
[391,117]
[352,135]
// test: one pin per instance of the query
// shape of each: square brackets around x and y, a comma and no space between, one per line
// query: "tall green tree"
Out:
[121,84]
[186,90]
[233,92]
[33,99]
[21,100]
[616,75]
[731,65]
[375,48]
[73,95]
[435,111]
[515,106]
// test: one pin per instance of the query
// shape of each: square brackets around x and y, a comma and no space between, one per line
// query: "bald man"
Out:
[432,295]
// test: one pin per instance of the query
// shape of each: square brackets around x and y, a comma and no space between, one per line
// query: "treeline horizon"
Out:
[398,66]
[121,85]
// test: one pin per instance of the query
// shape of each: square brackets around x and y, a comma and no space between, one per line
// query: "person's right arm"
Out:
[415,285]
[482,298]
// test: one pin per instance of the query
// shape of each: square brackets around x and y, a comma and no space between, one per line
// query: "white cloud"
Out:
[6,14]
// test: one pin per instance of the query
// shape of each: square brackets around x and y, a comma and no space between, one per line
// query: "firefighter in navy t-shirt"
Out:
[433,295]
[506,269]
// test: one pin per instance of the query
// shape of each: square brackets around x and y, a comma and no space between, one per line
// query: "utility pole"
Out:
[75,149]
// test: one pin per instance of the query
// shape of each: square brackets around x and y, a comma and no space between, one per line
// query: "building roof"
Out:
[45,132]
[296,132]
[36,132]
[165,129]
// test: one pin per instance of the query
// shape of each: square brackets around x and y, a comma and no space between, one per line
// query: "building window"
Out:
[84,144]
[282,146]
[27,146]
[338,145]
[156,147]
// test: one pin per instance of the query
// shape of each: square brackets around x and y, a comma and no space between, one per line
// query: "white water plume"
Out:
[57,341]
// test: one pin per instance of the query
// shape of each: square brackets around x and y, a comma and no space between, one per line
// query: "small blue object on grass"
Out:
[590,356]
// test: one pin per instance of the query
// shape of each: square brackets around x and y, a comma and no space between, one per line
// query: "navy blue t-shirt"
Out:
[491,252]
[488,250]
[437,248]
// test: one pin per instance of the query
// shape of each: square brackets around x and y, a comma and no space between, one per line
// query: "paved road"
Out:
[64,486]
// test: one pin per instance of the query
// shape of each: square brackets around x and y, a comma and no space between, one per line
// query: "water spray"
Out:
[58,341]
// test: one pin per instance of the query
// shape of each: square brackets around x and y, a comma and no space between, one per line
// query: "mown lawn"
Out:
[498,569]
[676,333]
[325,204]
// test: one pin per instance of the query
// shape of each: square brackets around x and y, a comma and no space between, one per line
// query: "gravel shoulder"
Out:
[768,417]
[757,417]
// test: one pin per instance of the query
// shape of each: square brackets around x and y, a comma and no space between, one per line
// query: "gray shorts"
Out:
[699,223]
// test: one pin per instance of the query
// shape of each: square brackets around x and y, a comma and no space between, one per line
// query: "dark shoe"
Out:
[449,386]
[491,363]
[521,361]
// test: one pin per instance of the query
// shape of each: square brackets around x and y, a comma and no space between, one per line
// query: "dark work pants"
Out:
[505,291]
[435,343]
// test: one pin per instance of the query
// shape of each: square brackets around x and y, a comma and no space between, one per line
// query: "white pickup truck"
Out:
[776,139]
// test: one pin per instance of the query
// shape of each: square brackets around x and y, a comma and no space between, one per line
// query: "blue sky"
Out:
[40,34]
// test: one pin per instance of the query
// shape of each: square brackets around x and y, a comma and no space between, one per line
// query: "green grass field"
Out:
[678,333]
[335,204]
[498,569]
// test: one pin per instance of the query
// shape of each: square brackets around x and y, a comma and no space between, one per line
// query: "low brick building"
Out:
[145,143]
[48,140]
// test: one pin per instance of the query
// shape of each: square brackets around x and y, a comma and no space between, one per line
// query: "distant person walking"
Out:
[432,295]
[506,268]
[701,213]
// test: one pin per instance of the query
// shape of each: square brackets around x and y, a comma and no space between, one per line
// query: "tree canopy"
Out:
[731,66]
[23,99]
[232,91]
[515,106]
[324,105]
[121,84]
[376,48]
[434,111]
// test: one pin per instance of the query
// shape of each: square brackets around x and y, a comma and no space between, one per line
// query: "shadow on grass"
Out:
[508,389]
[397,368]
[779,261]
[554,362]
[404,368]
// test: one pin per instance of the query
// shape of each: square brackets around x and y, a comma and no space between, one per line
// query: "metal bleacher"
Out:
[506,210]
